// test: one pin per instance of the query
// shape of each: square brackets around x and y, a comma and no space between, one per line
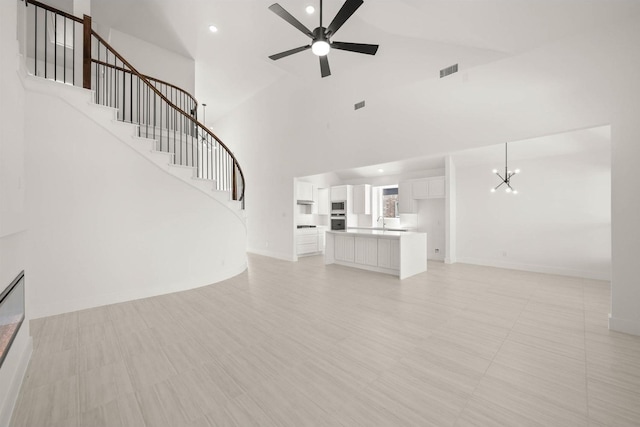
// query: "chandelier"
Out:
[506,180]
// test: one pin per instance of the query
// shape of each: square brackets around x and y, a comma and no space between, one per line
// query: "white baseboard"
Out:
[46,310]
[596,275]
[15,365]
[624,325]
[271,254]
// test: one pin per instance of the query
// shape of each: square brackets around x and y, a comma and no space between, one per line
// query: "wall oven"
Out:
[338,224]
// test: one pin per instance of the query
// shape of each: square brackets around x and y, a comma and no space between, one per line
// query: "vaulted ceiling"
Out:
[417,37]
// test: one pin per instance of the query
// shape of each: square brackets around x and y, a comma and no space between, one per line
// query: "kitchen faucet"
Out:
[383,223]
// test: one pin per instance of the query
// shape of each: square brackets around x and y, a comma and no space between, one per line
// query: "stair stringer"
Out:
[83,101]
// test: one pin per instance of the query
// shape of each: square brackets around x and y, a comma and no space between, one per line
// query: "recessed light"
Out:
[213,28]
[310,9]
[380,170]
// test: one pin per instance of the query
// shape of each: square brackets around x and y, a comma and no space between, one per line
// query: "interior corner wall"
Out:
[558,223]
[625,188]
[155,61]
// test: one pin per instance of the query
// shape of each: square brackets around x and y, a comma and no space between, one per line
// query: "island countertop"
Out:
[400,253]
[373,232]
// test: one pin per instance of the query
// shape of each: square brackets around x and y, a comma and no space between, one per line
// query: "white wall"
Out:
[559,222]
[108,225]
[12,200]
[154,61]
[574,83]
[432,220]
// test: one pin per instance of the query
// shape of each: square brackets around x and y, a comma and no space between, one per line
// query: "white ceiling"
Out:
[596,140]
[417,37]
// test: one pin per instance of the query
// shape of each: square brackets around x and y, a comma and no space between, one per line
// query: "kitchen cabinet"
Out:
[402,254]
[428,188]
[307,241]
[406,201]
[362,199]
[389,254]
[344,249]
[304,191]
[324,207]
[366,251]
[340,193]
[436,187]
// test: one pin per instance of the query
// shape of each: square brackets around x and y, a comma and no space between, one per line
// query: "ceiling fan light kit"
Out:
[320,36]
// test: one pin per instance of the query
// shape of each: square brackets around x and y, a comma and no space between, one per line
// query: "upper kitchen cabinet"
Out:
[304,191]
[406,201]
[428,188]
[362,199]
[324,208]
[340,193]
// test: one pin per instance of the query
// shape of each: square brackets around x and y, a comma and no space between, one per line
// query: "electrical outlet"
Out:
[504,253]
[437,251]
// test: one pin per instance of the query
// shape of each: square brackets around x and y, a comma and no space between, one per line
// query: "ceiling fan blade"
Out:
[279,10]
[289,52]
[324,66]
[347,9]
[369,49]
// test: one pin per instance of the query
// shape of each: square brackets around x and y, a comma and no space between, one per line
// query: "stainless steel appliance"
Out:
[338,223]
[338,207]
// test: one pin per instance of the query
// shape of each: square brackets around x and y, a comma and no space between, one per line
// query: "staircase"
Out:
[128,194]
[159,120]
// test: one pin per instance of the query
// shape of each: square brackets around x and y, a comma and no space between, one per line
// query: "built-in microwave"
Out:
[338,207]
[338,224]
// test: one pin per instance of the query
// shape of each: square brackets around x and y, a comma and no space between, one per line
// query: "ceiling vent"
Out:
[359,105]
[449,70]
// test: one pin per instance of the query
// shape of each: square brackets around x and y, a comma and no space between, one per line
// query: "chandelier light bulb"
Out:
[320,48]
[493,190]
[495,171]
[310,9]
[515,191]
[508,190]
[517,170]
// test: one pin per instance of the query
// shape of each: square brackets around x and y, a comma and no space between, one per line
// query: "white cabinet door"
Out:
[420,189]
[394,256]
[344,248]
[406,203]
[339,194]
[366,251]
[321,240]
[307,243]
[389,253]
[323,201]
[436,187]
[304,191]
[362,199]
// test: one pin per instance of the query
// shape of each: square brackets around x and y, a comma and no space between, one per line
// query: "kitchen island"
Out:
[399,253]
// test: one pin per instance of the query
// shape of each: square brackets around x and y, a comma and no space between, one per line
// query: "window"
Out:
[390,202]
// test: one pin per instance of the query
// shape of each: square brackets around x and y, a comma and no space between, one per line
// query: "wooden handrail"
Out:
[179,110]
[54,10]
[124,70]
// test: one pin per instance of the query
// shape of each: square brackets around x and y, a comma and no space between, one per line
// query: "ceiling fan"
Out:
[320,36]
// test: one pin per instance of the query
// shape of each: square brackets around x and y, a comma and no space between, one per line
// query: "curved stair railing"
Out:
[161,111]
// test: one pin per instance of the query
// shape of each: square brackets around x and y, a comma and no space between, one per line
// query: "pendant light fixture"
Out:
[507,175]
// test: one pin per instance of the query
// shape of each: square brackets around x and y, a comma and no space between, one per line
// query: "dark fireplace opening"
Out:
[11,313]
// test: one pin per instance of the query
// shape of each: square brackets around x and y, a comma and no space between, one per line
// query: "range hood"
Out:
[306,202]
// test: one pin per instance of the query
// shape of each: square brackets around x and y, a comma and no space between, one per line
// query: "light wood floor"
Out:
[301,344]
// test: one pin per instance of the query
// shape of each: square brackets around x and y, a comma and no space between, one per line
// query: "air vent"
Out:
[449,70]
[359,105]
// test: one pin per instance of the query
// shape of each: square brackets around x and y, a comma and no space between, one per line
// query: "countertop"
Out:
[370,232]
